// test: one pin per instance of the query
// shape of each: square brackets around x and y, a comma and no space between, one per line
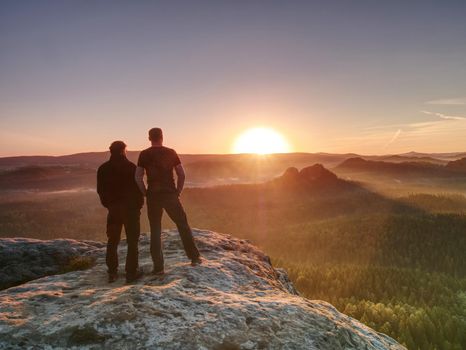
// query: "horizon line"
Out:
[235,154]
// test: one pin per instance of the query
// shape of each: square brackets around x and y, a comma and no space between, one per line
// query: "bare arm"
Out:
[139,177]
[181,177]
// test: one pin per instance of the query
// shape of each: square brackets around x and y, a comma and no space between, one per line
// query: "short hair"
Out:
[155,134]
[117,147]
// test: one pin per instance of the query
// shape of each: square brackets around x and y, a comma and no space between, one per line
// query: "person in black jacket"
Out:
[120,194]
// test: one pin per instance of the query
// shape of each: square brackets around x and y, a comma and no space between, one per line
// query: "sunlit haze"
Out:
[371,77]
[261,140]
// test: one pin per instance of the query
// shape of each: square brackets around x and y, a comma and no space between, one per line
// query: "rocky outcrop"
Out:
[312,179]
[234,300]
[317,172]
[24,259]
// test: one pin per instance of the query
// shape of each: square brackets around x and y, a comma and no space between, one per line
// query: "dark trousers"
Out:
[156,202]
[118,216]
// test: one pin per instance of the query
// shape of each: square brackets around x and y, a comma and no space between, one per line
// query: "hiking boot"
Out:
[196,261]
[134,277]
[158,272]
[112,277]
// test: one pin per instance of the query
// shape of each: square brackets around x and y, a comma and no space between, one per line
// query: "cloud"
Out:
[443,133]
[444,116]
[443,130]
[394,137]
[459,101]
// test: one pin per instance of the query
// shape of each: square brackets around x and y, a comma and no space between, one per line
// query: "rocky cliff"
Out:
[234,300]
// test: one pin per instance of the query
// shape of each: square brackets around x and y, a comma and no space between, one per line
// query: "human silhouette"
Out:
[120,194]
[159,162]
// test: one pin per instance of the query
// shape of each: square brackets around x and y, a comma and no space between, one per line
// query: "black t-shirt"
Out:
[159,163]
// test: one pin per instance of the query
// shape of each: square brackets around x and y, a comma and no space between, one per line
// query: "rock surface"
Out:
[234,300]
[25,259]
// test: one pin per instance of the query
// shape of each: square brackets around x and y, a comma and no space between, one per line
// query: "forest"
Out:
[396,264]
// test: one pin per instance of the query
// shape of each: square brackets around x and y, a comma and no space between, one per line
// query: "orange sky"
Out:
[363,77]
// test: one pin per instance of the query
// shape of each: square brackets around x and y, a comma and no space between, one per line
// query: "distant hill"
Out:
[80,159]
[205,172]
[445,156]
[457,165]
[402,169]
[94,159]
[201,170]
[78,170]
[399,159]
[50,178]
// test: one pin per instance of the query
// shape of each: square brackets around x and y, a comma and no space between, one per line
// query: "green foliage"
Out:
[421,310]
[445,203]
[85,336]
[79,263]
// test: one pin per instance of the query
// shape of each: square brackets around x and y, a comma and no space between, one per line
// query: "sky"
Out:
[371,77]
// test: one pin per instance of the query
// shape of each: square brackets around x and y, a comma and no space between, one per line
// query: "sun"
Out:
[261,140]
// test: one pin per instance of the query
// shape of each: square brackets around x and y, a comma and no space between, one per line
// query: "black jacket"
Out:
[116,184]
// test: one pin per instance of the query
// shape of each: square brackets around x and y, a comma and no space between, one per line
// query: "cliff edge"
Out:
[234,300]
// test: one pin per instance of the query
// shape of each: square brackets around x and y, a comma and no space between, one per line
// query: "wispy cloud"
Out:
[441,133]
[443,130]
[394,137]
[444,116]
[458,101]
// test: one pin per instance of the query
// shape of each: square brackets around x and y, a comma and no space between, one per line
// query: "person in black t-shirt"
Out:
[158,162]
[120,194]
